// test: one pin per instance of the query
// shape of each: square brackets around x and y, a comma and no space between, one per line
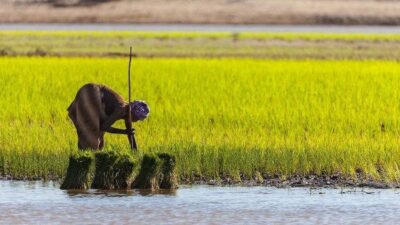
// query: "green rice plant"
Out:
[219,117]
[169,178]
[114,169]
[77,176]
[104,177]
[150,173]
[125,171]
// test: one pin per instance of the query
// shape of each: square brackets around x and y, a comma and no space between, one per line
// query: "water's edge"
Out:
[307,181]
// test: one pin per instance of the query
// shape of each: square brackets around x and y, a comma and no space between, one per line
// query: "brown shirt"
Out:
[95,108]
[110,99]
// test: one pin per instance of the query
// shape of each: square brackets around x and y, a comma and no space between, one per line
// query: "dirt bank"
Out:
[383,12]
[311,181]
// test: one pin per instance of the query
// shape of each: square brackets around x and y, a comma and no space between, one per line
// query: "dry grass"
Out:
[208,11]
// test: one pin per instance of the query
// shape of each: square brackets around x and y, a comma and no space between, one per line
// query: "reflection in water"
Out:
[44,203]
[144,192]
[94,193]
[118,193]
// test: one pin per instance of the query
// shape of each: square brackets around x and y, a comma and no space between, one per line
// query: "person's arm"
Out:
[130,130]
[114,130]
[116,115]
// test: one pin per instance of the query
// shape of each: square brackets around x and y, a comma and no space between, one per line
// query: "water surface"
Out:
[204,28]
[44,203]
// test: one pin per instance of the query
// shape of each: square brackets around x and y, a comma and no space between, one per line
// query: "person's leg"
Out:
[101,141]
[86,141]
[86,115]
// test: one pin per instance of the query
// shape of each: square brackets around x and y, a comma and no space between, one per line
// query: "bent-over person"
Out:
[96,108]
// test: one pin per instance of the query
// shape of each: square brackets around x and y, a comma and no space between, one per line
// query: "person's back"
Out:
[95,108]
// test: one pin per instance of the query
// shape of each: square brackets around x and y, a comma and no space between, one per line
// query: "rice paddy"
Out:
[235,117]
[210,45]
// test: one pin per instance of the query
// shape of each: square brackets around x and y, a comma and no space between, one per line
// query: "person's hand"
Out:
[130,132]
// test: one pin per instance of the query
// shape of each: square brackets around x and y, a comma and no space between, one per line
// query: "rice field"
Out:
[221,117]
[199,44]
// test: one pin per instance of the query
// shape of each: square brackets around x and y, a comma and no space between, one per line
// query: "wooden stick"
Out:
[129,73]
[128,123]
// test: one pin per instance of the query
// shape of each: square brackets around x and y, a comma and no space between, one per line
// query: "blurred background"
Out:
[344,12]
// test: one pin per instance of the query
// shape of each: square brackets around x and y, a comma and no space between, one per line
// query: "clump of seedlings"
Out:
[169,178]
[113,170]
[157,171]
[104,174]
[258,178]
[235,176]
[150,173]
[78,171]
[124,171]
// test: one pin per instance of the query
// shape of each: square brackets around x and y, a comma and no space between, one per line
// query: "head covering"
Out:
[140,109]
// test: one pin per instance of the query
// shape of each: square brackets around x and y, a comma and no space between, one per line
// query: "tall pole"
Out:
[129,73]
[128,122]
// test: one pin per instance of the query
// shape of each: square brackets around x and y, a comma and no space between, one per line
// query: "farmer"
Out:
[96,108]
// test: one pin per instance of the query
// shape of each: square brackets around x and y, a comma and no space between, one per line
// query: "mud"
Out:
[278,181]
[311,181]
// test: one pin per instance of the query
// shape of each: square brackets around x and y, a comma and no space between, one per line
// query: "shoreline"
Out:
[306,181]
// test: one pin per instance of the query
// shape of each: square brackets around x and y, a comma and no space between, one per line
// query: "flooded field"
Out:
[44,203]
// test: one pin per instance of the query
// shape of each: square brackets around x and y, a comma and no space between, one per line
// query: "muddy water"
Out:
[44,203]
